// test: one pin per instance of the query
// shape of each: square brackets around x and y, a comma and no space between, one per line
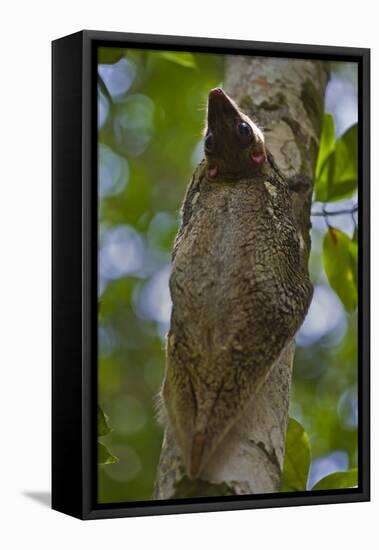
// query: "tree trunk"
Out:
[286,98]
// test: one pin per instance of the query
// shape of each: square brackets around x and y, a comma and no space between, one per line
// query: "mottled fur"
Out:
[240,290]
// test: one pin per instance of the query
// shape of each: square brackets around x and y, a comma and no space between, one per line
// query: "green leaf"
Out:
[345,175]
[102,422]
[340,263]
[326,149]
[338,480]
[337,163]
[185,59]
[297,458]
[104,456]
[353,249]
[327,142]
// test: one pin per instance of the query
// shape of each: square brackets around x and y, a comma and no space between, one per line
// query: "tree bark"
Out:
[286,98]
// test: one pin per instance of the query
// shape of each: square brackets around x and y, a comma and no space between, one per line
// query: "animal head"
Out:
[233,144]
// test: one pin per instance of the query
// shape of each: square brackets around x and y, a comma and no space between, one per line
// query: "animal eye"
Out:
[244,129]
[208,143]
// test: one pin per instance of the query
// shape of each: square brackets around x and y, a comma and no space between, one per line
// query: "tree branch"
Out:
[327,213]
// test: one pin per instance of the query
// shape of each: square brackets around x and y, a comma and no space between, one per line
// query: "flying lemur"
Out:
[239,284]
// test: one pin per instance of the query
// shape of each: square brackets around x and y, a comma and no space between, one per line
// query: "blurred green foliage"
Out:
[340,257]
[337,164]
[103,454]
[297,462]
[151,117]
[297,458]
[338,480]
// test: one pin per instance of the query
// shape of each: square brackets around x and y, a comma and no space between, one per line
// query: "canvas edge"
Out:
[86,508]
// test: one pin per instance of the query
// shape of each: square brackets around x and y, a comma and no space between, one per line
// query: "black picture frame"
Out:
[74,274]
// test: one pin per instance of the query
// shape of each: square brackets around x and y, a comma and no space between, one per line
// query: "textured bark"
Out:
[286,98]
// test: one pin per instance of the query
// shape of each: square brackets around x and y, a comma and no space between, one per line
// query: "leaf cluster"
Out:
[297,462]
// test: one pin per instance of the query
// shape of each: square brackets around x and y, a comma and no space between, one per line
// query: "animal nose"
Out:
[216,92]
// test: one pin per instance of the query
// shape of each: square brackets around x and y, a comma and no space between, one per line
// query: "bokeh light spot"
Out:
[102,109]
[133,126]
[325,465]
[118,77]
[153,301]
[325,314]
[113,172]
[348,408]
[121,252]
[128,414]
[127,468]
[343,84]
